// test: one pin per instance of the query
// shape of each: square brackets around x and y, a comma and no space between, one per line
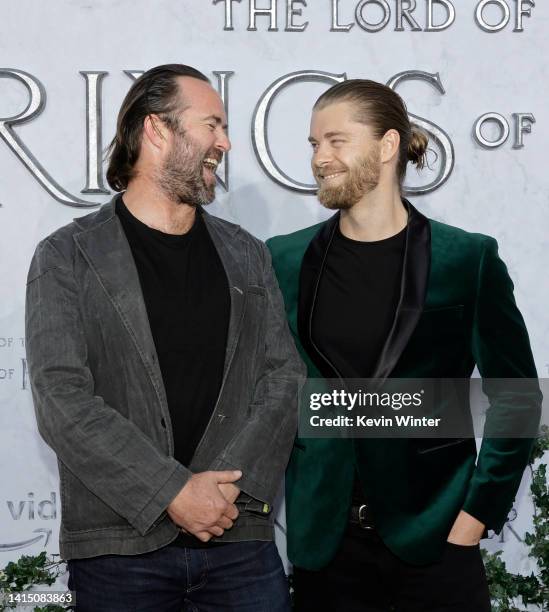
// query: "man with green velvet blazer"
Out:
[379,290]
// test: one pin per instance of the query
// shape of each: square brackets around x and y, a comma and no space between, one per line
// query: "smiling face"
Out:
[197,145]
[346,156]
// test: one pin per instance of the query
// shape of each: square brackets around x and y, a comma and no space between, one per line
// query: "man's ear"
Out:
[389,146]
[154,131]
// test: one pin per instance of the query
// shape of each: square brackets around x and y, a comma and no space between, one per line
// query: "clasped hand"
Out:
[205,505]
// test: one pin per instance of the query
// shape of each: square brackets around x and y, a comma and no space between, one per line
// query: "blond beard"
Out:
[362,178]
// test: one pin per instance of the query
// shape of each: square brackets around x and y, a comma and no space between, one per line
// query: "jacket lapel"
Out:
[234,257]
[104,245]
[312,267]
[415,275]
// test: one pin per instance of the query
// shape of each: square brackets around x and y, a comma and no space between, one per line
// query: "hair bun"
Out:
[417,147]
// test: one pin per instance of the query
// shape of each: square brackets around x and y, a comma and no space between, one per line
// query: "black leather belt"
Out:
[361,515]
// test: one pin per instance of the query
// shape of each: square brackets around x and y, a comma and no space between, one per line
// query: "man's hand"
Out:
[200,507]
[466,531]
[230,492]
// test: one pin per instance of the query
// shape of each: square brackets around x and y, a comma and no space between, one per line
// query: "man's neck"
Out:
[378,215]
[151,206]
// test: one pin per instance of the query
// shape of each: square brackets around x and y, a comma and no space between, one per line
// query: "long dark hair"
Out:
[154,92]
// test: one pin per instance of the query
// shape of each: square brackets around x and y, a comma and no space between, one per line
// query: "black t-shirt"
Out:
[356,304]
[187,298]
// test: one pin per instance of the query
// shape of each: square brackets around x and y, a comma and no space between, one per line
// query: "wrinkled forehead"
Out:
[199,98]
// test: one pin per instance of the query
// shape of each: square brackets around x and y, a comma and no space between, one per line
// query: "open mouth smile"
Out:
[211,163]
[328,177]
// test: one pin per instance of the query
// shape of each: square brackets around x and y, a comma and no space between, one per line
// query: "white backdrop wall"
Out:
[500,191]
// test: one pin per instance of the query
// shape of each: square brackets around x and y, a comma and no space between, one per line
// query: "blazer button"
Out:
[163,423]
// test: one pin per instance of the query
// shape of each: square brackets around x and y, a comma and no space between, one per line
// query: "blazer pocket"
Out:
[439,445]
[453,310]
[254,407]
[256,290]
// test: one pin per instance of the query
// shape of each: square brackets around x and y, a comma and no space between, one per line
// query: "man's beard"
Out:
[181,176]
[360,179]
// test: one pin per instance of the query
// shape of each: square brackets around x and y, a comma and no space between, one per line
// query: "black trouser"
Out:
[365,576]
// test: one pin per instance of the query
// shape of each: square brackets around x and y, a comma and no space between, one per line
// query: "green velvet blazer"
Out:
[456,311]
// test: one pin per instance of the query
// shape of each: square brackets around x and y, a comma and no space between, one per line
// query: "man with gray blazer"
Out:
[163,373]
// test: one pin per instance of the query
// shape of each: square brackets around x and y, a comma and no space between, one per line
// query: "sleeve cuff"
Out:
[155,510]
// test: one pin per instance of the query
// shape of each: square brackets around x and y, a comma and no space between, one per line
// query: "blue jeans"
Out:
[240,576]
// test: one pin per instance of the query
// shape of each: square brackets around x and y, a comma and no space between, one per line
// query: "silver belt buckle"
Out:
[362,517]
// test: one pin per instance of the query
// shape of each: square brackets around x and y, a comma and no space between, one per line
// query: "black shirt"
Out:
[356,304]
[187,298]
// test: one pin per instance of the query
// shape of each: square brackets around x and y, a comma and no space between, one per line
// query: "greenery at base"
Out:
[509,589]
[506,588]
[27,572]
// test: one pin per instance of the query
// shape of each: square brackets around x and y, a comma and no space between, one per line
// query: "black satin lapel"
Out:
[415,276]
[312,266]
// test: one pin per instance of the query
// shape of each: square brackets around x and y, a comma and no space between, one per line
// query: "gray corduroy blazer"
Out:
[100,401]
